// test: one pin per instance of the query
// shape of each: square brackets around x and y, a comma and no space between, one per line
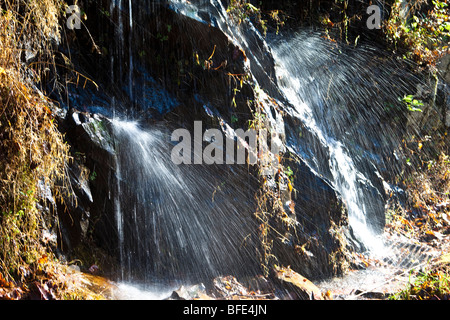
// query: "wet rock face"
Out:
[316,248]
[159,61]
[91,175]
[444,67]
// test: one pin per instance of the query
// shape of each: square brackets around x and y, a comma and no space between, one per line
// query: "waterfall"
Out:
[301,94]
[345,177]
[340,95]
[175,222]
[119,219]
[117,7]
[130,52]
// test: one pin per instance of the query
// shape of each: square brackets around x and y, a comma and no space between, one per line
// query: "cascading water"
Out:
[291,59]
[345,177]
[341,97]
[175,222]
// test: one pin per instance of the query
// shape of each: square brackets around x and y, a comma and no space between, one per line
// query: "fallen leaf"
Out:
[4,283]
[434,234]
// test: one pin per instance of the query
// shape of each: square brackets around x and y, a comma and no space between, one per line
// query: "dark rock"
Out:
[371,294]
[260,285]
[229,286]
[317,248]
[90,174]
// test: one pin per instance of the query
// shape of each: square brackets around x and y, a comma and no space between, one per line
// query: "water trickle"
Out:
[346,177]
[130,52]
[124,39]
[131,291]
[119,218]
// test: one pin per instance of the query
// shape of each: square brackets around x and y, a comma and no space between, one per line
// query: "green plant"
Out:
[289,173]
[426,285]
[242,10]
[93,176]
[423,33]
[411,103]
[278,18]
[105,12]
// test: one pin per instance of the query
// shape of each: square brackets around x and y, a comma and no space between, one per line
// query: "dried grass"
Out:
[32,150]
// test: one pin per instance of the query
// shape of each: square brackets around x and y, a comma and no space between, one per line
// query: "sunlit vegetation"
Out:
[242,10]
[425,217]
[420,29]
[430,284]
[33,154]
[420,33]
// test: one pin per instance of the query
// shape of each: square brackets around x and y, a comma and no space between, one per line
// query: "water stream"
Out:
[299,85]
